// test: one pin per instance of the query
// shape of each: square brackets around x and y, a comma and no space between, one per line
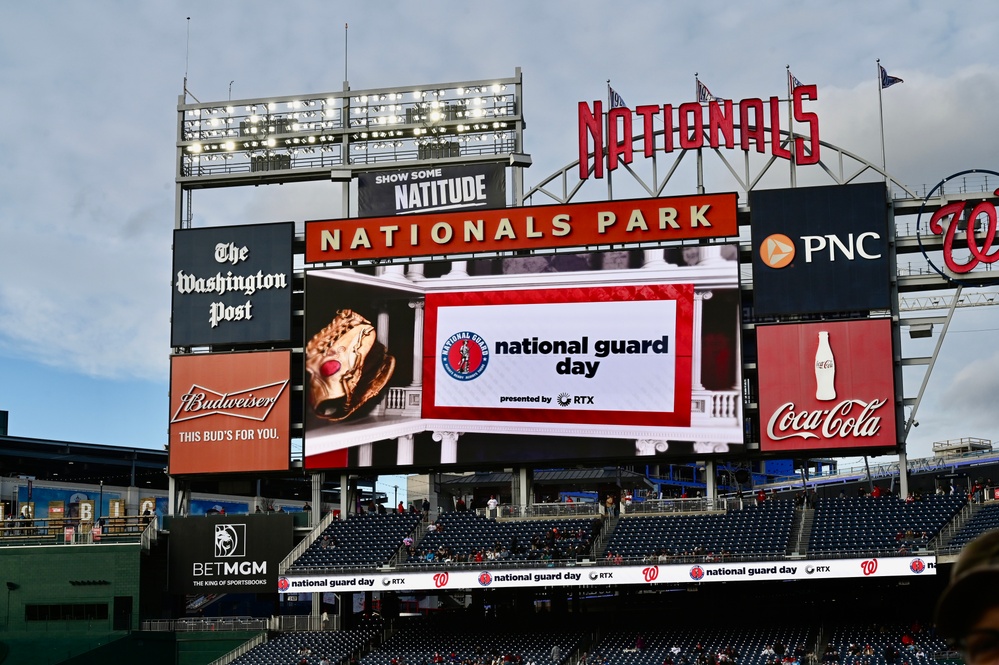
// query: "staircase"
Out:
[801,531]
[600,546]
[942,539]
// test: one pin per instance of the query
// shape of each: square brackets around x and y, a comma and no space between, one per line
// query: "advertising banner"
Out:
[232,284]
[405,192]
[806,238]
[507,368]
[230,412]
[225,554]
[625,222]
[610,355]
[826,386]
[647,574]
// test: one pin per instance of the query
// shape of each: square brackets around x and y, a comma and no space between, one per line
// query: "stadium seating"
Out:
[913,644]
[416,646]
[363,540]
[985,519]
[754,530]
[463,534]
[686,644]
[864,525]
[336,646]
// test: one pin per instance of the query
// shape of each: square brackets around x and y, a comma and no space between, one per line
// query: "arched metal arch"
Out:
[568,182]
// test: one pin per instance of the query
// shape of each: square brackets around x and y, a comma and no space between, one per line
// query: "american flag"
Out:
[792,81]
[886,80]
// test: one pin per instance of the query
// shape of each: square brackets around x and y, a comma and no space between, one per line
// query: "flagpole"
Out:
[790,128]
[881,116]
[610,183]
[700,158]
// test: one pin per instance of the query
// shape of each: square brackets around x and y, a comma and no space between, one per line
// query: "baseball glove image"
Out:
[346,366]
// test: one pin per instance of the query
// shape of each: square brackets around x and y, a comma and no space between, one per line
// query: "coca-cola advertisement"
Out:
[230,412]
[827,385]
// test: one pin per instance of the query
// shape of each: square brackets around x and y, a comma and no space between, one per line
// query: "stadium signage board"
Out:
[714,123]
[609,355]
[618,223]
[644,575]
[826,386]
[606,358]
[431,189]
[230,412]
[806,238]
[228,554]
[232,284]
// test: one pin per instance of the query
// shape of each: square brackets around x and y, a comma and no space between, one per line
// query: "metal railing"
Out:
[28,531]
[205,625]
[240,650]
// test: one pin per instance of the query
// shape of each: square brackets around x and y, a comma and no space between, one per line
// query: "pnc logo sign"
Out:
[777,250]
[819,236]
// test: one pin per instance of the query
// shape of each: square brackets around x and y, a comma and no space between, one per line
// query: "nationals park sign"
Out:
[623,222]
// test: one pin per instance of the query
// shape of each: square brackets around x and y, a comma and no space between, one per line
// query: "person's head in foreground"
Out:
[968,611]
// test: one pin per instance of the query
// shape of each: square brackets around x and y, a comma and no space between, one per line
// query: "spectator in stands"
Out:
[556,654]
[761,497]
[492,504]
[400,509]
[460,505]
[306,506]
[426,510]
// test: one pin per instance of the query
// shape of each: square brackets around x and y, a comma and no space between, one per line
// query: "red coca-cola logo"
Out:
[650,573]
[440,580]
[851,417]
[869,566]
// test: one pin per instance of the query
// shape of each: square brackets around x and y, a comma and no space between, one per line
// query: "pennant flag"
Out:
[703,94]
[888,81]
[792,81]
[616,101]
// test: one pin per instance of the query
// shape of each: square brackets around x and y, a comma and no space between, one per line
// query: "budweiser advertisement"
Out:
[809,237]
[580,225]
[826,386]
[230,412]
[498,365]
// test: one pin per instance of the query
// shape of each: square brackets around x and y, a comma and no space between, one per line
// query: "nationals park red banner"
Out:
[626,222]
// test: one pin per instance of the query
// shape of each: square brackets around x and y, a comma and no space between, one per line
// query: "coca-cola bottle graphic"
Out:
[825,369]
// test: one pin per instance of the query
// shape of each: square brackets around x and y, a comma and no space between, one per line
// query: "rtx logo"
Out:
[230,541]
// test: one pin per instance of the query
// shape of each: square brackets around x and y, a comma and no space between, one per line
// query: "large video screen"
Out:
[559,358]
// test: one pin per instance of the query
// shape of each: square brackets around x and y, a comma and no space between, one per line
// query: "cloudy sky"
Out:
[89,110]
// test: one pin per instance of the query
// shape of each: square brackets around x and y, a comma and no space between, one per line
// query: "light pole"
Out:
[100,504]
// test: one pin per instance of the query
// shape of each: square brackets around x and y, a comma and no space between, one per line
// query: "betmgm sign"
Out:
[228,554]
